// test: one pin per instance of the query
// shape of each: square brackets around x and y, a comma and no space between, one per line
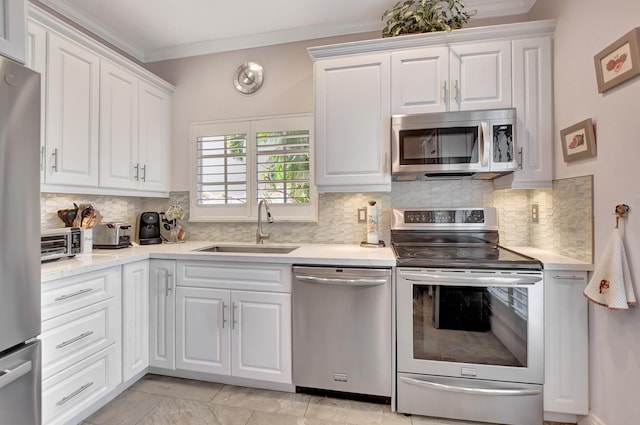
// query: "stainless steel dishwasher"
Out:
[342,330]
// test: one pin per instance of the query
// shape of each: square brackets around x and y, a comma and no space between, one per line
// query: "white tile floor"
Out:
[159,400]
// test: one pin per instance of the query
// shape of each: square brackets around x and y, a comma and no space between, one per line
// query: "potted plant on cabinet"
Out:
[420,16]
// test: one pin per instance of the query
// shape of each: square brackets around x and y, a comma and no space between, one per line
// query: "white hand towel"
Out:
[611,284]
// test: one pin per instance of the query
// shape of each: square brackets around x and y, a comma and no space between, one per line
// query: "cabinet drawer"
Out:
[252,277]
[69,338]
[70,392]
[65,295]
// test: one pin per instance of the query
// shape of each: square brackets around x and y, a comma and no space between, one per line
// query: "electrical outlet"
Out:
[534,213]
[362,215]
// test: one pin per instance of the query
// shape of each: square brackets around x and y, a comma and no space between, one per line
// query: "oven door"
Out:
[477,324]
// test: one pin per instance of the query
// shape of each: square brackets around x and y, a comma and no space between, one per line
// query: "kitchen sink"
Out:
[249,249]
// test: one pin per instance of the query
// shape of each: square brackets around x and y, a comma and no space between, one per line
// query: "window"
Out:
[239,163]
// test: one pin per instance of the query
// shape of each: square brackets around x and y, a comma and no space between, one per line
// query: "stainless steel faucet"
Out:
[260,235]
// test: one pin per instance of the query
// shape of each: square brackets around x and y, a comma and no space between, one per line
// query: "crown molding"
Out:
[90,24]
[403,42]
[486,9]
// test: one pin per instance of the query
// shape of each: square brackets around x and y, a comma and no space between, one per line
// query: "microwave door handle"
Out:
[484,144]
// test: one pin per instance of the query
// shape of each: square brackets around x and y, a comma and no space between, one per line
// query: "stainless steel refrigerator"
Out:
[20,387]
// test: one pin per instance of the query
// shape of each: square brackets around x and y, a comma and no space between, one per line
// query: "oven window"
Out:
[483,325]
[456,145]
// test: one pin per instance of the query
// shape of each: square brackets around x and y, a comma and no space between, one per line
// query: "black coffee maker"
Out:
[149,228]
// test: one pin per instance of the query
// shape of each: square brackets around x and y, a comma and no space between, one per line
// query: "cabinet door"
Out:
[566,383]
[162,313]
[261,340]
[480,76]
[154,138]
[119,166]
[353,124]
[37,60]
[203,330]
[13,23]
[532,94]
[135,319]
[73,75]
[420,81]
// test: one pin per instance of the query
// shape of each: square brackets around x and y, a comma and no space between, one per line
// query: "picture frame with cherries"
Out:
[578,141]
[618,62]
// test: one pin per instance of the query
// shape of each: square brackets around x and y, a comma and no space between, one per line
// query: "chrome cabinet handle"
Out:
[42,158]
[576,278]
[454,91]
[55,160]
[233,316]
[168,286]
[467,390]
[72,340]
[73,294]
[73,394]
[224,306]
[144,173]
[137,168]
[521,155]
[444,92]
[10,375]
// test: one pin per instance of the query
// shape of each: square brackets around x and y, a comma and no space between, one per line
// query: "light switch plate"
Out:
[362,215]
[534,213]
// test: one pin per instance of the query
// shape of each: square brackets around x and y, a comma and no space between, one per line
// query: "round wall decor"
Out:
[249,77]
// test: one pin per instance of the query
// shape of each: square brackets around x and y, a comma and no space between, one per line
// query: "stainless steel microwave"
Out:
[480,144]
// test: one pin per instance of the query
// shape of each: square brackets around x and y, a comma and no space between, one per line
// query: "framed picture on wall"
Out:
[578,141]
[618,62]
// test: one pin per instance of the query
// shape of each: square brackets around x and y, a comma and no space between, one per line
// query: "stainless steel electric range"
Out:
[469,319]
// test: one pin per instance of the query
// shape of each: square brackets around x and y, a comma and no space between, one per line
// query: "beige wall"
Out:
[584,28]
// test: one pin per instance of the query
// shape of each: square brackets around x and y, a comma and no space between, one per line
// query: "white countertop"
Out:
[551,260]
[308,254]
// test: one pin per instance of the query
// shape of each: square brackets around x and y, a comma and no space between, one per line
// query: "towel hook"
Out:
[621,212]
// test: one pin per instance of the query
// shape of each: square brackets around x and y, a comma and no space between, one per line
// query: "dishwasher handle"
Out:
[340,281]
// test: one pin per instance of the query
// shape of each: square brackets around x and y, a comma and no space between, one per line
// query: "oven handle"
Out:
[475,280]
[468,390]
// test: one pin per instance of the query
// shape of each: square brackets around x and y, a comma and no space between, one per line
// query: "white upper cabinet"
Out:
[119,165]
[107,123]
[532,98]
[457,78]
[36,60]
[154,141]
[72,113]
[420,81]
[353,124]
[480,76]
[13,24]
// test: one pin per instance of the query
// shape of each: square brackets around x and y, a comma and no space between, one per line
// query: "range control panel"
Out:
[444,216]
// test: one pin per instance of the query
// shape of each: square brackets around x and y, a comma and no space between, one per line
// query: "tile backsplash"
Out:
[565,214]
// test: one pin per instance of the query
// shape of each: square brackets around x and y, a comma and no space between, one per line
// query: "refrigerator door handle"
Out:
[10,375]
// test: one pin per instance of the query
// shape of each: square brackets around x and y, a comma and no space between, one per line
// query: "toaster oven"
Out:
[60,243]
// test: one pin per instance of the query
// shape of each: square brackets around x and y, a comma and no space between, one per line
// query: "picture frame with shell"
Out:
[578,141]
[618,62]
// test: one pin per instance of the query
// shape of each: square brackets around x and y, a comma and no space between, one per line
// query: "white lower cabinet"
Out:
[135,318]
[81,342]
[242,333]
[162,275]
[566,381]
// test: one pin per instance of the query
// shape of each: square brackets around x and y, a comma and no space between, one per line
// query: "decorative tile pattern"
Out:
[244,406]
[565,214]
